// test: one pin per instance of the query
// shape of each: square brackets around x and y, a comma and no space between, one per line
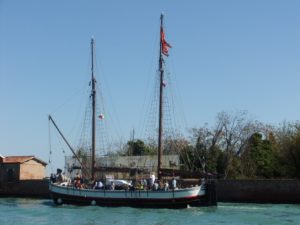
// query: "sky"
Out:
[226,56]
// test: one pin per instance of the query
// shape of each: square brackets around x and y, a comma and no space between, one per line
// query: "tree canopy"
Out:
[234,147]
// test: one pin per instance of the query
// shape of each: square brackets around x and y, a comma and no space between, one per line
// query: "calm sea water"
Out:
[44,212]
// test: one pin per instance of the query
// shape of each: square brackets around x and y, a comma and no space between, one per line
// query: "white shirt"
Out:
[99,184]
[152,178]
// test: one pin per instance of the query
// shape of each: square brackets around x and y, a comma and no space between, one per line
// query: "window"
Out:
[10,174]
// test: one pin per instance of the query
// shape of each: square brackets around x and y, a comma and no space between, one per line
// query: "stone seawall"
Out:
[259,191]
[26,188]
[256,191]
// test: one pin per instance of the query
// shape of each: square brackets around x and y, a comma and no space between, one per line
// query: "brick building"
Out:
[16,168]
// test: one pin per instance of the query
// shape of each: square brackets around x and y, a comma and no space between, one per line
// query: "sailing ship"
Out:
[169,198]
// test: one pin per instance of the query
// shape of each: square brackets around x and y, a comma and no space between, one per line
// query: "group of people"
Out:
[59,177]
[143,184]
[165,185]
[154,184]
[98,185]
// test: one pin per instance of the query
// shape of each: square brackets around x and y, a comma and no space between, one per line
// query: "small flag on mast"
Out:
[164,44]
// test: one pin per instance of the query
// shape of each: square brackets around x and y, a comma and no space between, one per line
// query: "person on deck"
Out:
[98,185]
[53,178]
[155,186]
[59,176]
[166,186]
[174,183]
[112,186]
[77,181]
[152,179]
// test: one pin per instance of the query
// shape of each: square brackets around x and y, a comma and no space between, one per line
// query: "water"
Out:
[44,212]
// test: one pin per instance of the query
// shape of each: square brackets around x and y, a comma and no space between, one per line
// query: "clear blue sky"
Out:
[227,55]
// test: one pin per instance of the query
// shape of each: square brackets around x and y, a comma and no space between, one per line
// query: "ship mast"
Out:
[93,95]
[160,115]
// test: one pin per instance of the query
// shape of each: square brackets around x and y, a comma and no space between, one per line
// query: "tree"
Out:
[222,146]
[235,131]
[288,139]
[174,145]
[205,150]
[258,159]
[138,147]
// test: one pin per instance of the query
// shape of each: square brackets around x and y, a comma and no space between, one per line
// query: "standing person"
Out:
[77,181]
[166,185]
[146,184]
[98,185]
[112,186]
[155,186]
[174,183]
[59,176]
[152,179]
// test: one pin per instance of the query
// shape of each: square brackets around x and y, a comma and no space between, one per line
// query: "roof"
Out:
[20,159]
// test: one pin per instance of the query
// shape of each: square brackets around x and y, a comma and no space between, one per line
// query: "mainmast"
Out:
[93,95]
[164,48]
[160,115]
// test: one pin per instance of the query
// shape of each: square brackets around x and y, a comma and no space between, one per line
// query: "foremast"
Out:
[93,95]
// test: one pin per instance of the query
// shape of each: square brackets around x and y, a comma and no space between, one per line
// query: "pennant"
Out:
[101,116]
[164,44]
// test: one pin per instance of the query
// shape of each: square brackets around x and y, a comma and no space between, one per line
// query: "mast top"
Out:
[161,17]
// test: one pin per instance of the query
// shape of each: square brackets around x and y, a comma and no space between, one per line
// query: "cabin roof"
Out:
[20,159]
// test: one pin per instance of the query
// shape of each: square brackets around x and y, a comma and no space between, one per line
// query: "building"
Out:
[18,168]
[147,162]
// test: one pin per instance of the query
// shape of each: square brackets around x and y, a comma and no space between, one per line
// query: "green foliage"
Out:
[258,160]
[289,154]
[213,157]
[236,147]
[138,147]
[233,166]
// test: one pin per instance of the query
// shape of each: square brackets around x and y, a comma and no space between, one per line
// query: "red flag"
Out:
[164,44]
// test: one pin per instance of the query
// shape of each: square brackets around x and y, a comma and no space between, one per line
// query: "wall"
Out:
[31,170]
[4,172]
[25,188]
[259,191]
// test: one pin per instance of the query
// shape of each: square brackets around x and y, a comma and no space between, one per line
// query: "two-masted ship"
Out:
[168,198]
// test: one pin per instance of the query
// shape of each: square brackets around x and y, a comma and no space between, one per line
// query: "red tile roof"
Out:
[20,159]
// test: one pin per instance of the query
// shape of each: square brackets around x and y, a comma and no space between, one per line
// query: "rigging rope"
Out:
[170,123]
[114,120]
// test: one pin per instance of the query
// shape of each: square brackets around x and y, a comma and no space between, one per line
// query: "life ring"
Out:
[58,201]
